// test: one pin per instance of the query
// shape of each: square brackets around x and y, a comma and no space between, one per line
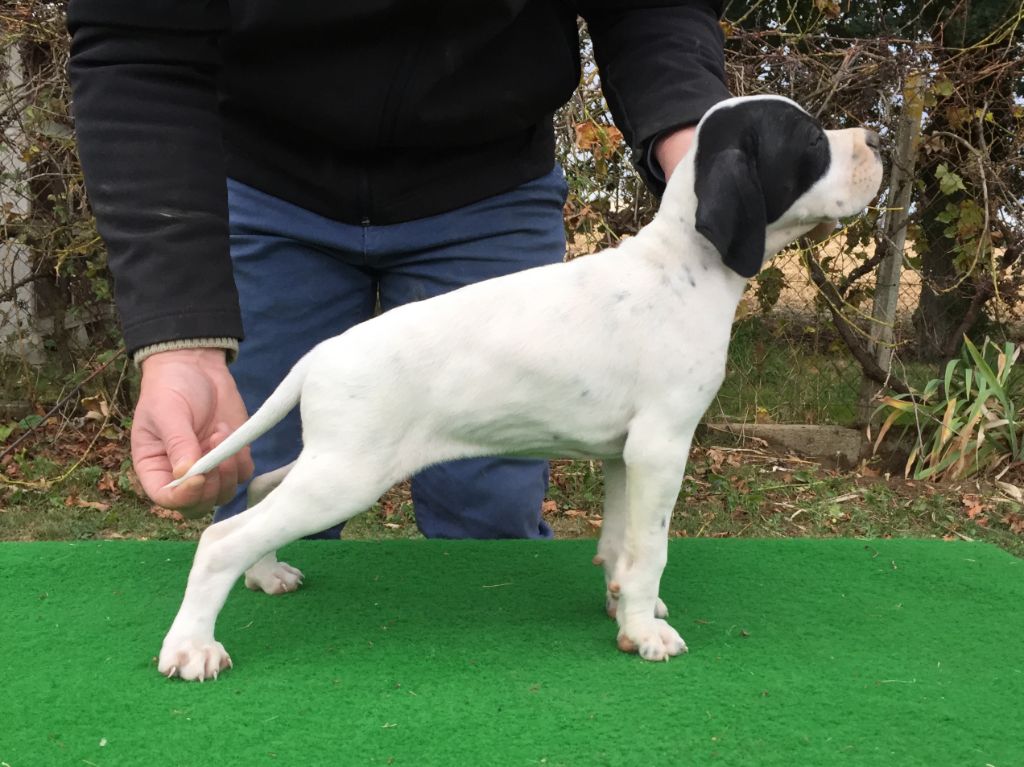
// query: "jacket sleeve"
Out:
[662,67]
[145,105]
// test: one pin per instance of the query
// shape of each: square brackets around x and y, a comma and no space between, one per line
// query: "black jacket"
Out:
[365,112]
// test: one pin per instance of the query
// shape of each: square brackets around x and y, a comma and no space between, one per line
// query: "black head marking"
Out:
[754,160]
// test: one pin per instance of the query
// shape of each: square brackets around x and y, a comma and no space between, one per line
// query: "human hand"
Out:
[187,405]
[672,147]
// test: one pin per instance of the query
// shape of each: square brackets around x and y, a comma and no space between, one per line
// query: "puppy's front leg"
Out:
[655,463]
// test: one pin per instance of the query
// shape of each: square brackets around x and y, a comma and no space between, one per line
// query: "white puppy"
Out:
[614,356]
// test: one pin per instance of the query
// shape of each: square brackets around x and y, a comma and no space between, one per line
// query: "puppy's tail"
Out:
[277,406]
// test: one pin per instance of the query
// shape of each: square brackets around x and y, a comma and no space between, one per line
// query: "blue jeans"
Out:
[302,278]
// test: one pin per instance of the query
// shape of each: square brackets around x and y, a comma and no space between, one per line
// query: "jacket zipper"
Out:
[389,120]
[364,196]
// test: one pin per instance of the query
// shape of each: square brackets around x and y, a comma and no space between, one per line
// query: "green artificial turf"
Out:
[802,652]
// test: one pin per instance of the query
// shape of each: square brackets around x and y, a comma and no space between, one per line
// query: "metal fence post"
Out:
[892,237]
[18,321]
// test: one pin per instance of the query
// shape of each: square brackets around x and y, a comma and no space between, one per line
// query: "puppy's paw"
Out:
[655,640]
[273,577]
[611,606]
[192,659]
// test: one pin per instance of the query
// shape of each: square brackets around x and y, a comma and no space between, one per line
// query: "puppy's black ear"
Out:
[731,209]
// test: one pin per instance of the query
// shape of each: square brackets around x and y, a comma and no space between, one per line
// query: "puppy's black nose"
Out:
[872,140]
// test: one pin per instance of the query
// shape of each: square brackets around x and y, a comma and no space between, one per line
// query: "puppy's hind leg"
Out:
[321,490]
[613,535]
[268,574]
[655,460]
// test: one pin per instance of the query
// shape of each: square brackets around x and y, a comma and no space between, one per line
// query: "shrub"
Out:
[967,421]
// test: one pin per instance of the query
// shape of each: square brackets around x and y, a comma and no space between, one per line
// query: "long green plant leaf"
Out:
[985,370]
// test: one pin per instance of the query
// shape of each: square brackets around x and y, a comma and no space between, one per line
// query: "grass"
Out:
[729,491]
[798,379]
[785,371]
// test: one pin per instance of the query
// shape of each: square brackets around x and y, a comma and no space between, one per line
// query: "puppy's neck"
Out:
[679,201]
[677,239]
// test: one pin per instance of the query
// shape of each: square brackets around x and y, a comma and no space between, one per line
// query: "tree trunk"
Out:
[942,306]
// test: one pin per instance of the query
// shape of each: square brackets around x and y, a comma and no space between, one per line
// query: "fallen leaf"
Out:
[595,523]
[549,507]
[741,484]
[107,483]
[717,458]
[973,505]
[96,407]
[171,514]
[97,505]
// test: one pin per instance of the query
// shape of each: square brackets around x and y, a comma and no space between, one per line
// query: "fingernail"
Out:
[192,483]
